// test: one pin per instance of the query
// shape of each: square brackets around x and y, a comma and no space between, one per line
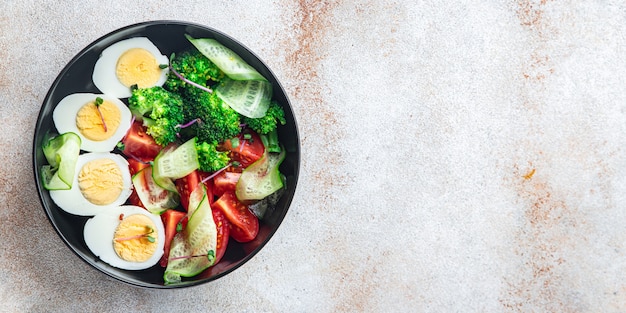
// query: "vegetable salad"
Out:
[199,139]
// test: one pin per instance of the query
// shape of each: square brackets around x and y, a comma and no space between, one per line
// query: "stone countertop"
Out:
[457,156]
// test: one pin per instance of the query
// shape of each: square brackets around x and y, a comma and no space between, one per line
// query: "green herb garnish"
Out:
[147,235]
[98,103]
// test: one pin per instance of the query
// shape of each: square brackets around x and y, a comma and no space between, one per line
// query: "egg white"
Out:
[74,202]
[104,72]
[99,232]
[64,117]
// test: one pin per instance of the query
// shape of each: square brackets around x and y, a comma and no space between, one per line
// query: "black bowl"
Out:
[169,37]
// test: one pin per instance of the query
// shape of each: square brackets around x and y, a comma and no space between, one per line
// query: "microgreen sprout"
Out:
[146,235]
[242,145]
[181,126]
[120,146]
[136,158]
[132,120]
[210,256]
[196,120]
[98,103]
[218,171]
[181,77]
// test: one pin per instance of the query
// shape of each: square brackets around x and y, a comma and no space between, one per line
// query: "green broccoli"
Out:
[270,141]
[194,66]
[210,158]
[160,110]
[268,123]
[216,121]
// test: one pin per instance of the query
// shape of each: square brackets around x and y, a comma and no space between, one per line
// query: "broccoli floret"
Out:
[210,158]
[160,110]
[268,123]
[216,121]
[194,66]
[270,141]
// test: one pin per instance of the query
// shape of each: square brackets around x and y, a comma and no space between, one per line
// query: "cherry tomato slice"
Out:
[225,181]
[223,233]
[170,218]
[244,224]
[185,186]
[247,150]
[138,144]
[135,166]
[188,183]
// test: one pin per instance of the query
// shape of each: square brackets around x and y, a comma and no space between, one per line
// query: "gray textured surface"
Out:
[458,156]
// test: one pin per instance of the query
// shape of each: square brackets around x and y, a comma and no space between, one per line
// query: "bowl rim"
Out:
[296,156]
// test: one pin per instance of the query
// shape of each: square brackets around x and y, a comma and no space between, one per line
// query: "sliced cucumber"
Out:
[179,162]
[163,182]
[250,98]
[154,198]
[193,250]
[61,152]
[260,208]
[227,60]
[262,178]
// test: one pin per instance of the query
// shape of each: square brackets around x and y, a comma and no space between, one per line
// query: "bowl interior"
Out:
[168,36]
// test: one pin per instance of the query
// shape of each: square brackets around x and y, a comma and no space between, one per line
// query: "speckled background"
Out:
[458,156]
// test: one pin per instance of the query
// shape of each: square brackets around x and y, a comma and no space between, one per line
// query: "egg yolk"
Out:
[138,67]
[100,181]
[89,120]
[135,238]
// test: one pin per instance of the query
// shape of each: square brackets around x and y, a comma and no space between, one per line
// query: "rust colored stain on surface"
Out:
[312,23]
[4,80]
[530,13]
[539,65]
[549,227]
[359,282]
[311,29]
[542,242]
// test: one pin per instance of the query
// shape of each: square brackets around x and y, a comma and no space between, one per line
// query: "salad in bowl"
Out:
[166,154]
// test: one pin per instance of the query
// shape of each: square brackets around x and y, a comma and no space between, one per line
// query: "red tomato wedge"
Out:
[247,150]
[135,166]
[188,183]
[170,218]
[138,144]
[223,233]
[224,182]
[244,224]
[185,186]
[208,184]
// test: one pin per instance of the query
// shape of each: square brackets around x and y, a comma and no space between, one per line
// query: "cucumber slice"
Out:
[262,178]
[250,98]
[227,60]
[61,152]
[154,198]
[179,162]
[193,250]
[163,182]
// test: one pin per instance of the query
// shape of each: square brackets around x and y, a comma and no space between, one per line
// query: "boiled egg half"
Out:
[134,61]
[126,237]
[100,120]
[101,181]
